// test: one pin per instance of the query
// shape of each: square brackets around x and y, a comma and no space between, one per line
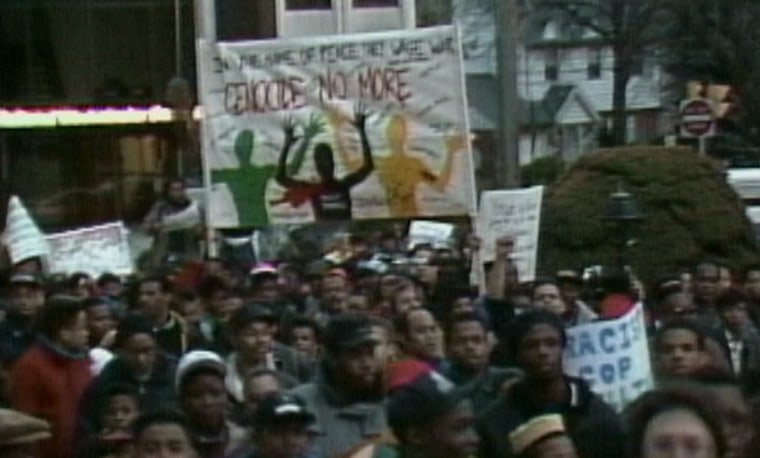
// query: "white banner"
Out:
[404,89]
[613,356]
[517,214]
[94,250]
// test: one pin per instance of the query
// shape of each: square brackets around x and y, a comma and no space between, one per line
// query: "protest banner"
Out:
[94,250]
[430,233]
[22,238]
[613,356]
[513,213]
[404,88]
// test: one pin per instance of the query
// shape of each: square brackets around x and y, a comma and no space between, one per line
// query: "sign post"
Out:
[697,121]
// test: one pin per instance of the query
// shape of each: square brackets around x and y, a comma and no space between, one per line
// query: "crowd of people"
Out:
[379,349]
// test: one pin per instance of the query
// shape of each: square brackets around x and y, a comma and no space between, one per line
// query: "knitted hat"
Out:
[524,323]
[19,428]
[196,360]
[533,431]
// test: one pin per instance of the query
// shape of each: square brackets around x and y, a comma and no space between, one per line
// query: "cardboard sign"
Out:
[409,84]
[93,250]
[613,356]
[513,213]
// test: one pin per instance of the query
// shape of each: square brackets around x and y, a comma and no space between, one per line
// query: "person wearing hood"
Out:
[49,379]
[347,398]
[537,341]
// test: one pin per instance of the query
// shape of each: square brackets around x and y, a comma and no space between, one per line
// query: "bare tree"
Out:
[630,27]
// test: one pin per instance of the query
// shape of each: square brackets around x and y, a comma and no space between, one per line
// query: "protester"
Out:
[20,435]
[431,418]
[163,434]
[49,379]
[420,336]
[740,339]
[305,336]
[101,322]
[26,299]
[259,385]
[706,276]
[171,246]
[281,429]
[733,408]
[251,331]
[674,422]
[140,364]
[680,350]
[154,301]
[537,340]
[469,351]
[347,396]
[203,399]
[571,284]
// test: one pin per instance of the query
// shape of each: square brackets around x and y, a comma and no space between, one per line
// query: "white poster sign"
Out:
[335,128]
[93,250]
[430,232]
[613,356]
[22,237]
[512,213]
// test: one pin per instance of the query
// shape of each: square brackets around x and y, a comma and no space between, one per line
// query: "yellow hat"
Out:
[20,428]
[534,430]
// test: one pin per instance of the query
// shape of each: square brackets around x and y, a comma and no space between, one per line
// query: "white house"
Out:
[302,18]
[565,81]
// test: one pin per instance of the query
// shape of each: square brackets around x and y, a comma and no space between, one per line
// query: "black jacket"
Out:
[596,430]
[156,393]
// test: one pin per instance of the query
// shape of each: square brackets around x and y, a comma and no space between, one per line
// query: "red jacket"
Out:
[48,384]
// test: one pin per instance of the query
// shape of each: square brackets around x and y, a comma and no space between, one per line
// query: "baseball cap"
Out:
[348,331]
[425,399]
[263,268]
[25,280]
[281,407]
[251,313]
[534,430]
[198,360]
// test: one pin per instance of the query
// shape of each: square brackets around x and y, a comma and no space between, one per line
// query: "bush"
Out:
[690,213]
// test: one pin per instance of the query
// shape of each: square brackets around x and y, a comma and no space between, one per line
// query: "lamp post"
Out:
[623,211]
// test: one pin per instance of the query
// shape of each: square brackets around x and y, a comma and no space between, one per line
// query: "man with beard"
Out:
[347,397]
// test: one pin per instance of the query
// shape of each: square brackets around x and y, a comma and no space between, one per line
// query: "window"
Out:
[308,4]
[551,65]
[374,3]
[594,63]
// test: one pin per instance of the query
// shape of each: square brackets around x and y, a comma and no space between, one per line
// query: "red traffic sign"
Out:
[697,118]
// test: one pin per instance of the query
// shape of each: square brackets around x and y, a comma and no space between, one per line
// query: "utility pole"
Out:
[507,174]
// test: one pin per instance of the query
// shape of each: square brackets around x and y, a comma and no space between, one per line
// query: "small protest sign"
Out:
[93,250]
[516,214]
[612,356]
[430,233]
[23,238]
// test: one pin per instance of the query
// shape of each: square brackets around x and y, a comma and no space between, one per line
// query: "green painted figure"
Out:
[248,183]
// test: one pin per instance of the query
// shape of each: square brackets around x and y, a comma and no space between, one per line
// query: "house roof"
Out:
[484,106]
[567,31]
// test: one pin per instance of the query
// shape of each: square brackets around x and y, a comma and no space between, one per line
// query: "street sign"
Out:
[697,118]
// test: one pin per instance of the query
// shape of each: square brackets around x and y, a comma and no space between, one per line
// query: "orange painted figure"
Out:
[400,173]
